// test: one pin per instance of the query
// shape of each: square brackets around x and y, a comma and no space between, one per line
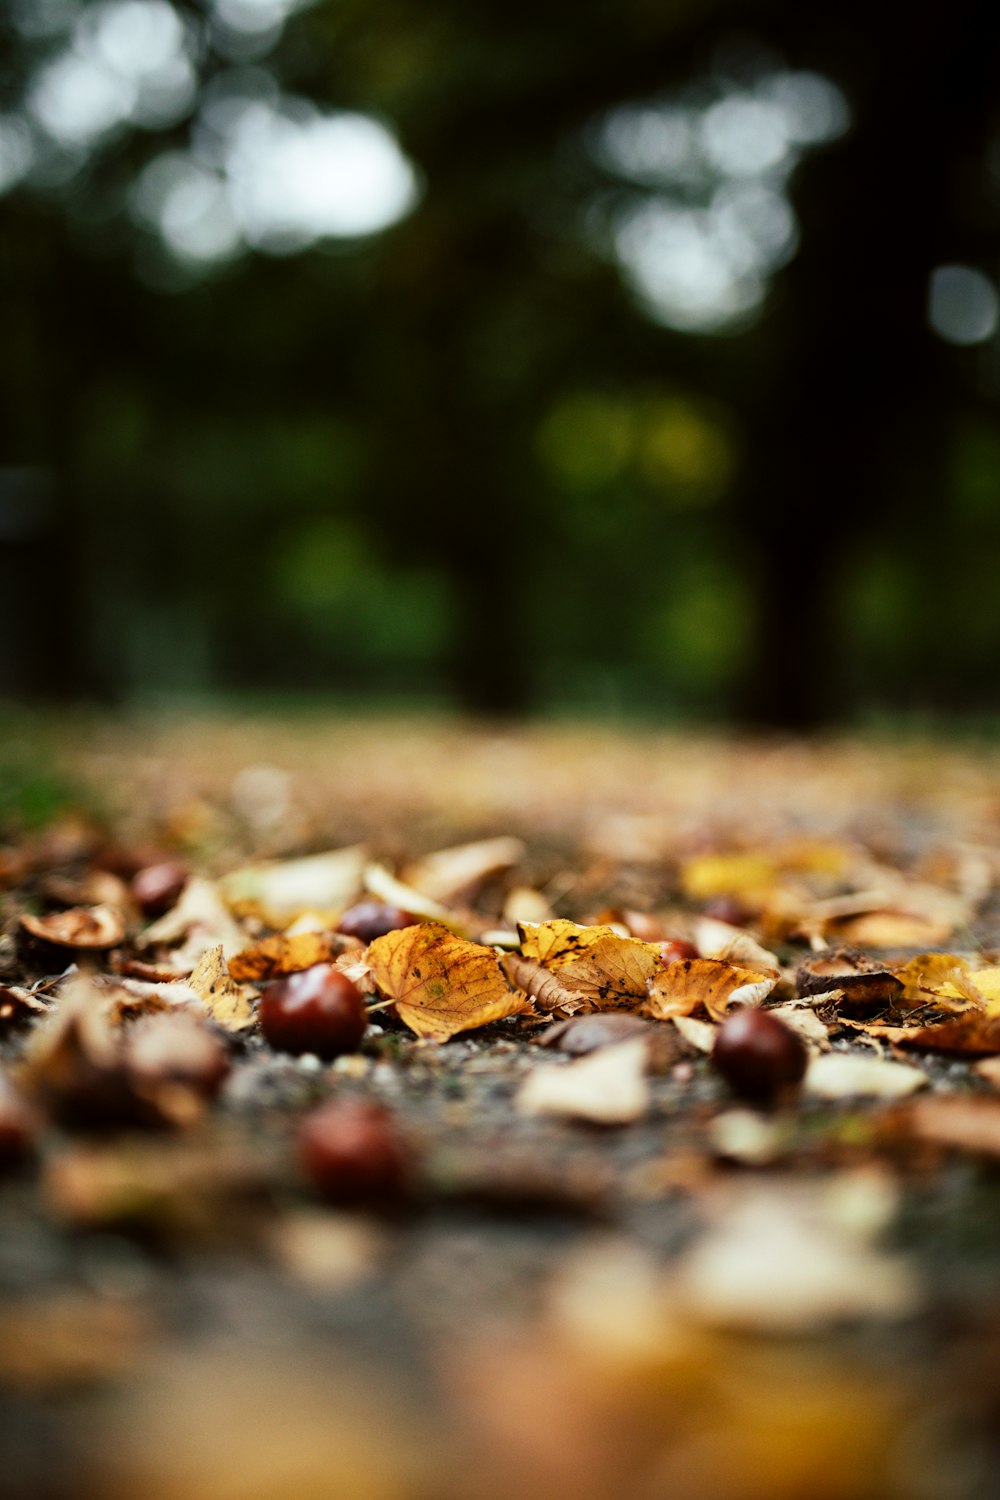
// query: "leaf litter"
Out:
[160,1111]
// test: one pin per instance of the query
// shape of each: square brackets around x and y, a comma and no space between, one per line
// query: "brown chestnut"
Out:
[373,919]
[757,1055]
[351,1153]
[317,1010]
[677,948]
[158,887]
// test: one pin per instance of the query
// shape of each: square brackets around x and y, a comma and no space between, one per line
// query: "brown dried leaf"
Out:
[972,1034]
[545,989]
[281,891]
[865,983]
[441,984]
[94,927]
[594,964]
[680,987]
[226,1003]
[282,954]
[609,1087]
[200,921]
[450,875]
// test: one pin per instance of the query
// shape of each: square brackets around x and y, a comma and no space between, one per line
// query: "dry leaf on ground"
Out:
[845,1075]
[441,984]
[280,892]
[226,1003]
[609,1087]
[284,954]
[456,874]
[680,987]
[593,964]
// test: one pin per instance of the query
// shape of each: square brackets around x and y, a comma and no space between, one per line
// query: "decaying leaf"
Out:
[681,987]
[17,1004]
[972,1034]
[545,989]
[581,1035]
[380,882]
[284,954]
[456,874]
[804,1020]
[199,921]
[698,1034]
[893,929]
[866,985]
[226,1003]
[441,984]
[844,1075]
[281,891]
[715,939]
[595,964]
[609,1087]
[989,1069]
[938,977]
[83,927]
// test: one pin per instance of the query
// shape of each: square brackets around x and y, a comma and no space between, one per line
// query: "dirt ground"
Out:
[706,1301]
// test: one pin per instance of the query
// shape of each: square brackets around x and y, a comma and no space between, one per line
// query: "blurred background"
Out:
[634,358]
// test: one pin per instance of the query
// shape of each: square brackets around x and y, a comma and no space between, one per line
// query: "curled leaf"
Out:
[680,987]
[226,1003]
[88,927]
[441,984]
[593,964]
[281,891]
[454,874]
[284,954]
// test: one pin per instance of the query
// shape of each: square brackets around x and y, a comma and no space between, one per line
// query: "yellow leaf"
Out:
[728,875]
[987,987]
[441,984]
[225,1001]
[596,964]
[282,954]
[682,986]
[942,977]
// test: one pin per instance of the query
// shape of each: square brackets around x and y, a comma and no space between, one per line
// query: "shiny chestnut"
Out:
[675,949]
[373,919]
[159,887]
[351,1153]
[758,1056]
[317,1010]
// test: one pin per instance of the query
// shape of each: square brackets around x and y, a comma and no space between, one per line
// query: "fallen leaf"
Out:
[380,882]
[698,1034]
[715,939]
[750,876]
[971,1034]
[284,954]
[279,892]
[200,921]
[441,984]
[990,1070]
[88,927]
[581,1035]
[609,1087]
[547,991]
[226,1003]
[455,874]
[804,1020]
[17,1004]
[595,964]
[845,1075]
[865,983]
[680,987]
[940,977]
[893,929]
[524,904]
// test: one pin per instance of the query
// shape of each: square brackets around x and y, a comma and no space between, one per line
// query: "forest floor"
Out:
[709,1298]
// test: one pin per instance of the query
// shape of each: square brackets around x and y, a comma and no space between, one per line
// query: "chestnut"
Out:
[157,888]
[316,1010]
[677,948]
[758,1056]
[369,920]
[17,1126]
[350,1152]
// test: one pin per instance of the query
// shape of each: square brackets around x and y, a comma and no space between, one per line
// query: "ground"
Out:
[708,1300]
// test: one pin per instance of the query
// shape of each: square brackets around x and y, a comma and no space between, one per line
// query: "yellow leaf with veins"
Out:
[682,986]
[441,984]
[596,964]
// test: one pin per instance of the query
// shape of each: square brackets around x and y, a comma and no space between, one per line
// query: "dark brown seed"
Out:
[675,948]
[757,1055]
[158,887]
[351,1153]
[373,919]
[318,1010]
